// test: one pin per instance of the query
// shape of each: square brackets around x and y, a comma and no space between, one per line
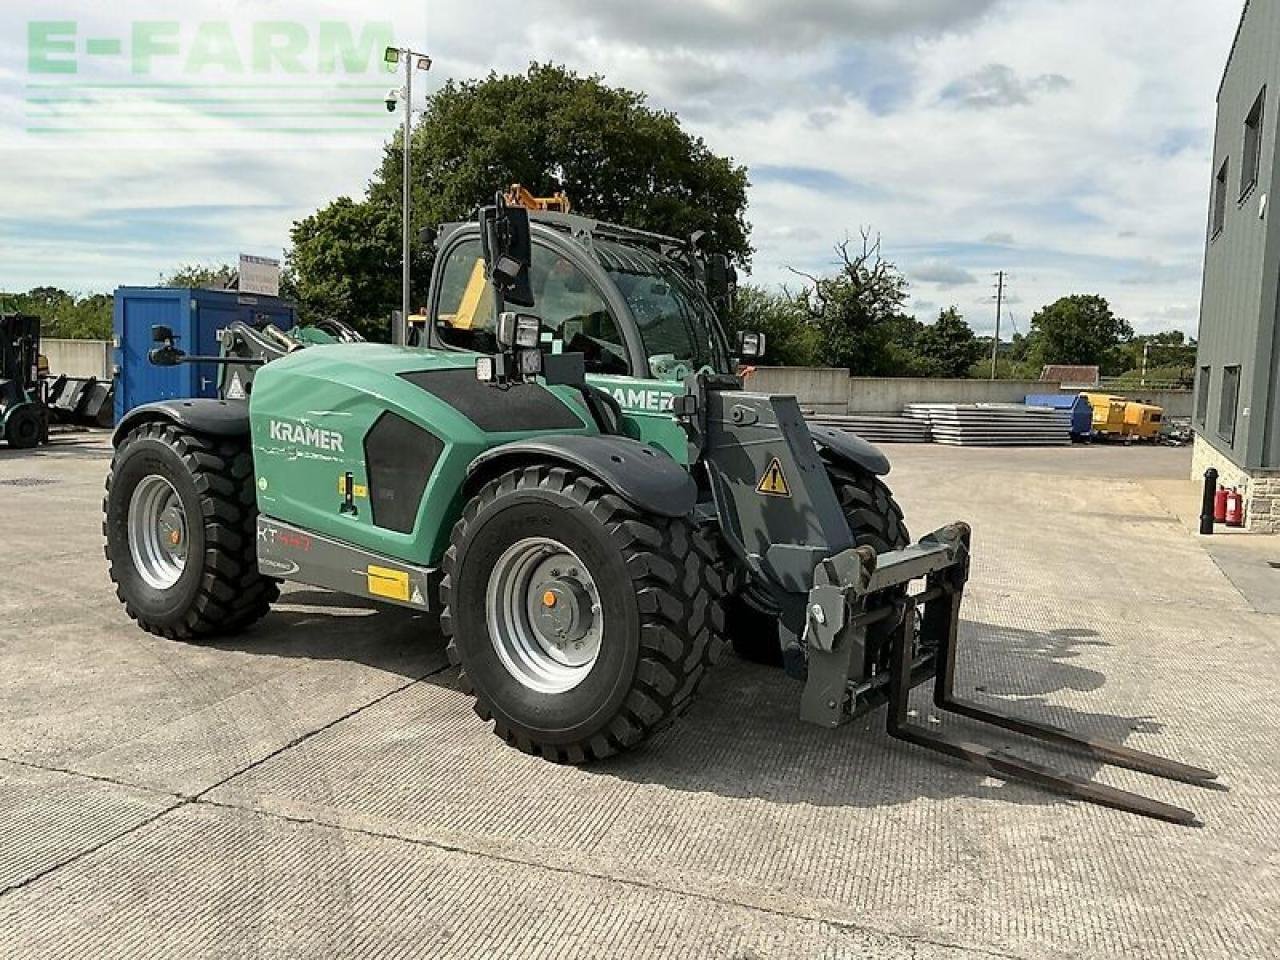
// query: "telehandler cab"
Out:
[567,459]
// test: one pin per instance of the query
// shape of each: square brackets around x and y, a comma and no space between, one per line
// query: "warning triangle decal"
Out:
[774,481]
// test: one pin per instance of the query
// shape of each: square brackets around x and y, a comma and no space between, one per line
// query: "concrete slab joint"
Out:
[1261,488]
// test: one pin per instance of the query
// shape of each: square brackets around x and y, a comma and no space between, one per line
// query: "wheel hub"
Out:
[157,532]
[544,616]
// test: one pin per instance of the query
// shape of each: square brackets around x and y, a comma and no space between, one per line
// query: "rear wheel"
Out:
[24,426]
[180,524]
[582,625]
[875,520]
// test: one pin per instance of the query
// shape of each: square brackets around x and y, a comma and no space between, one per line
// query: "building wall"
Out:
[1261,488]
[1242,263]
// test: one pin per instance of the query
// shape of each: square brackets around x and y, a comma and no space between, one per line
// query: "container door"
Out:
[211,316]
[140,380]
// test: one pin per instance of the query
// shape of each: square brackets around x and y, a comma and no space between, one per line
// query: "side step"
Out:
[939,631]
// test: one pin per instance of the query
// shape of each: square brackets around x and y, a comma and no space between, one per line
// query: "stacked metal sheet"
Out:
[876,429]
[993,424]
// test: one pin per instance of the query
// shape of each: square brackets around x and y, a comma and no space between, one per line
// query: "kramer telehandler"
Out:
[568,461]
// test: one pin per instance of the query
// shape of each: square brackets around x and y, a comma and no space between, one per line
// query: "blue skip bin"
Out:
[195,317]
[1081,412]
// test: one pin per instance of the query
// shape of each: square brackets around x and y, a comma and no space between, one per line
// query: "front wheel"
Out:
[582,625]
[180,522]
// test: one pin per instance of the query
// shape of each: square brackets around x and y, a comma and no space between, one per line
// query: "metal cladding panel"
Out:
[1241,294]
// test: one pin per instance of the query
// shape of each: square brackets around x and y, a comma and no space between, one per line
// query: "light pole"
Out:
[412,60]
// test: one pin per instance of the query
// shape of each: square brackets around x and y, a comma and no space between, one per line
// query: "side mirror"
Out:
[751,344]
[427,237]
[722,281]
[508,250]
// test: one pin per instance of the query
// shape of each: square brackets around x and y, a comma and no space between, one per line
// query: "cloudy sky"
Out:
[1066,142]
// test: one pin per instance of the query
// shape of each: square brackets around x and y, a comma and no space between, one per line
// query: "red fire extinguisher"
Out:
[1235,508]
[1220,505]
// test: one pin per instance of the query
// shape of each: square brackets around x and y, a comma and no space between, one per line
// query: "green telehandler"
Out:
[564,459]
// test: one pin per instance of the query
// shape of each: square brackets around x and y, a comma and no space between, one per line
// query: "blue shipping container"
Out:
[1081,412]
[195,316]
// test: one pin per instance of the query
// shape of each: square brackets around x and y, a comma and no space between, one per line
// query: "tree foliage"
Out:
[199,276]
[791,340]
[1079,329]
[947,347]
[64,315]
[548,129]
[857,311]
[345,264]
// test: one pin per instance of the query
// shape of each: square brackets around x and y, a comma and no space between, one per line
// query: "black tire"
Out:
[660,594]
[874,518]
[220,590]
[24,427]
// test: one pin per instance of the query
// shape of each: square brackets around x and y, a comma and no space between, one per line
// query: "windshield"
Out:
[680,332]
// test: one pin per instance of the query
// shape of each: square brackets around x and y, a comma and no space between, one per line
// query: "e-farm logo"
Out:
[208,76]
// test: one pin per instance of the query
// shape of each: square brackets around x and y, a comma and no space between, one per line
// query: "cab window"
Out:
[571,307]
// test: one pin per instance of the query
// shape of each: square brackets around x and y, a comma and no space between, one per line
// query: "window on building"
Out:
[1202,396]
[1252,159]
[1220,200]
[1230,397]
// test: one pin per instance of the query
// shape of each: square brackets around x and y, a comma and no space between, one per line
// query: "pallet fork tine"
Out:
[944,558]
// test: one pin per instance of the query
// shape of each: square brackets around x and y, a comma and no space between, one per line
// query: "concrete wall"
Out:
[832,390]
[78,358]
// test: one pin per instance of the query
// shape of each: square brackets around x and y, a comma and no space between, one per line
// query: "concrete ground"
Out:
[319,788]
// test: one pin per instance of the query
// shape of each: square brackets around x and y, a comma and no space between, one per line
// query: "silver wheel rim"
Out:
[544,615]
[158,532]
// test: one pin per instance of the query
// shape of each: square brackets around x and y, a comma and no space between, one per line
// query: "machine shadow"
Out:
[320,625]
[742,738]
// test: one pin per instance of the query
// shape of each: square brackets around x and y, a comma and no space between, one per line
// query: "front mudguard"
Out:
[842,446]
[642,475]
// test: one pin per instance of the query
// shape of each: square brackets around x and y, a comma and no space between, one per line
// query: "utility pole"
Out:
[995,343]
[420,61]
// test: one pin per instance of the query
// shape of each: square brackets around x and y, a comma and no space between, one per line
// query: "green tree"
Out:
[858,313]
[64,315]
[199,276]
[345,264]
[792,341]
[947,347]
[1079,329]
[548,129]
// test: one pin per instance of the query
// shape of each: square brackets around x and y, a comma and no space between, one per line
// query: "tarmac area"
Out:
[318,787]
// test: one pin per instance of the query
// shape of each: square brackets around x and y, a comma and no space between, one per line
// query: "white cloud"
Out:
[1081,172]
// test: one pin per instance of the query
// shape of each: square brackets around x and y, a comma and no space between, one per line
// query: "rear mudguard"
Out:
[218,418]
[840,445]
[643,476]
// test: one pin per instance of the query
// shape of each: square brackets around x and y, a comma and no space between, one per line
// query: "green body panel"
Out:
[646,407]
[330,396]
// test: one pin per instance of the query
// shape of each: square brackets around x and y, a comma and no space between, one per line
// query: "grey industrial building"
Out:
[1237,401]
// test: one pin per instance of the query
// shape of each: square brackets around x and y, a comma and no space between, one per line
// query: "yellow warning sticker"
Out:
[357,489]
[389,583]
[774,481]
